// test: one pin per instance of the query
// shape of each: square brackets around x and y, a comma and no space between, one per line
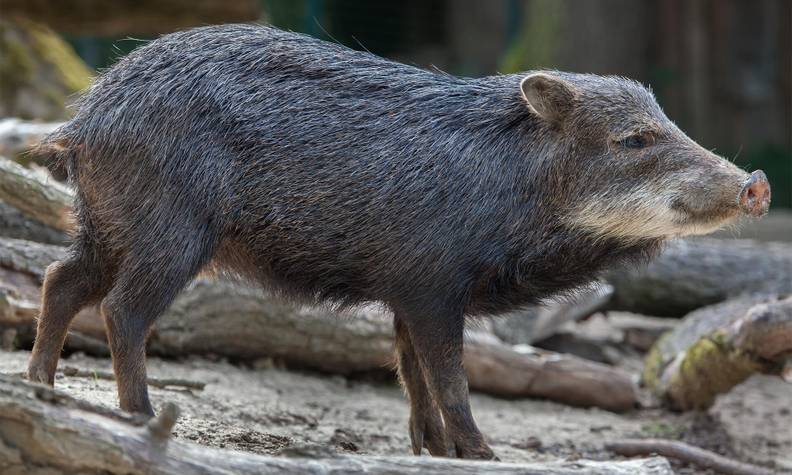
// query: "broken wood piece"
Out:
[225,318]
[162,424]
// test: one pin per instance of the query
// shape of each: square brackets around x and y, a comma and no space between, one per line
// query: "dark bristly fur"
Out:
[338,177]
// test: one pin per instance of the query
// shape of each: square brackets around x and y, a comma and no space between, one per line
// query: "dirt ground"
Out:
[269,410]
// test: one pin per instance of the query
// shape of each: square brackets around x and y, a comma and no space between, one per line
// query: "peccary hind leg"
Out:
[426,424]
[437,343]
[148,282]
[69,285]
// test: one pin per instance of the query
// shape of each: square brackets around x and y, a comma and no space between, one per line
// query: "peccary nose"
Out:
[754,198]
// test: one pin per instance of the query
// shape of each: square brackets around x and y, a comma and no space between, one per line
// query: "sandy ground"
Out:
[268,410]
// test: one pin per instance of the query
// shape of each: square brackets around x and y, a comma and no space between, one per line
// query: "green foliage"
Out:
[538,42]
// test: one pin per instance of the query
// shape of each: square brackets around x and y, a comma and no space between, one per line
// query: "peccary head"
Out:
[659,182]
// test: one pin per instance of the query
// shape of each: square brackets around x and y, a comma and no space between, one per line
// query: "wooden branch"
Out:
[718,347]
[44,431]
[694,273]
[73,372]
[519,371]
[228,319]
[689,454]
[37,195]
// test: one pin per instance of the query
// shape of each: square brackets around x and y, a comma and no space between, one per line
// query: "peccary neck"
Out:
[536,269]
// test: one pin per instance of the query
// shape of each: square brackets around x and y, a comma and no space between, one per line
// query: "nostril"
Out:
[755,195]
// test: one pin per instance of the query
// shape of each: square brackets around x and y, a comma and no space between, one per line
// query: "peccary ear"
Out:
[550,97]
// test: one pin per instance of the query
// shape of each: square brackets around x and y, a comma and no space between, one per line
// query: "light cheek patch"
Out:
[643,214]
[630,221]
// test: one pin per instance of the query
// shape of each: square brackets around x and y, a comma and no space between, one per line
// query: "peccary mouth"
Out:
[704,220]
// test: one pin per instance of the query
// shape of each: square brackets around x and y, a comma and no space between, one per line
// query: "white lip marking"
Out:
[644,214]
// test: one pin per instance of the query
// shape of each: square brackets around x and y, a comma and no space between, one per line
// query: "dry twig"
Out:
[156,382]
[685,453]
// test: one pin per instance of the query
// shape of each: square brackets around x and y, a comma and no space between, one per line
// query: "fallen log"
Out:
[15,224]
[524,371]
[228,319]
[694,273]
[43,430]
[703,459]
[717,347]
[37,195]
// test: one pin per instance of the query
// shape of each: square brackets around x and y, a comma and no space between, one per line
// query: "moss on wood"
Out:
[718,347]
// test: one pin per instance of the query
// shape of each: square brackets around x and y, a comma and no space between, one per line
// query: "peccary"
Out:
[336,176]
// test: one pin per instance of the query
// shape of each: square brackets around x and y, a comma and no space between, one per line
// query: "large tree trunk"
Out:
[229,319]
[698,272]
[42,431]
[718,347]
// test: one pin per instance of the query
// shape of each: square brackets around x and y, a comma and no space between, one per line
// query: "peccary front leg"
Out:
[437,342]
[426,423]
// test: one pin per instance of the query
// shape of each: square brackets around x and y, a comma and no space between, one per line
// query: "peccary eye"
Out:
[635,141]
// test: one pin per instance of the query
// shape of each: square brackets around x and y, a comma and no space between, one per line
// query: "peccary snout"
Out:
[754,198]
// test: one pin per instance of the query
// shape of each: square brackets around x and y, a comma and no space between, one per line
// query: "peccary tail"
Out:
[59,155]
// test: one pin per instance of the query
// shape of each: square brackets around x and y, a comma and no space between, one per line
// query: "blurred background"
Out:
[722,69]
